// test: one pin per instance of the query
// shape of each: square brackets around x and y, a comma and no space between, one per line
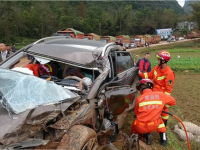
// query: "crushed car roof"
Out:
[84,52]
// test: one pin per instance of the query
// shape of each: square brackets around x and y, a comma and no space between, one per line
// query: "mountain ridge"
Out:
[187,7]
[136,5]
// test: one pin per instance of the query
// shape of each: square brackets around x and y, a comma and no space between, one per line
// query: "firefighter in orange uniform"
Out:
[163,78]
[40,69]
[148,109]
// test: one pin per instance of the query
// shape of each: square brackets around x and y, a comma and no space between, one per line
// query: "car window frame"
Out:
[115,65]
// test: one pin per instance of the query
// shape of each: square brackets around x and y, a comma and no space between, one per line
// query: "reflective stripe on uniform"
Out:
[167,106]
[150,103]
[145,75]
[161,125]
[161,78]
[50,68]
[155,73]
[167,93]
[165,117]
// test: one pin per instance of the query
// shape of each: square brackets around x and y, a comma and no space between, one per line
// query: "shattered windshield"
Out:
[19,91]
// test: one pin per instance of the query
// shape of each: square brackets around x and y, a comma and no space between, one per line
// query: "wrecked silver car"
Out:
[51,111]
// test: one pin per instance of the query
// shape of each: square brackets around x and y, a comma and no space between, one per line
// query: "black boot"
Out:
[149,138]
[165,122]
[163,139]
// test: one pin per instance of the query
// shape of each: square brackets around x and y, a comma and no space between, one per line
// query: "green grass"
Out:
[184,56]
[173,142]
[181,64]
[182,50]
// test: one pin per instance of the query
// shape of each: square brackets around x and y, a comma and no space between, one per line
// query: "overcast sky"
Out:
[181,2]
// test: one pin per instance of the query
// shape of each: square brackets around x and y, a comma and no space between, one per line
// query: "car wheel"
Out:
[79,138]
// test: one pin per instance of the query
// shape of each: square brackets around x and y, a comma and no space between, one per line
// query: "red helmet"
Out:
[147,82]
[164,55]
[46,69]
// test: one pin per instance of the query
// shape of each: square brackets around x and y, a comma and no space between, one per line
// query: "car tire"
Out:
[79,137]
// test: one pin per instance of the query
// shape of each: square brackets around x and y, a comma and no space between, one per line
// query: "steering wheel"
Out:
[78,80]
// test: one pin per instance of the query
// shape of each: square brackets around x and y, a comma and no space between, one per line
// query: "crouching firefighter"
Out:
[148,109]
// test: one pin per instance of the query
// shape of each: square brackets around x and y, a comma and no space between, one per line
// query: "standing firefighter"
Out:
[162,76]
[148,109]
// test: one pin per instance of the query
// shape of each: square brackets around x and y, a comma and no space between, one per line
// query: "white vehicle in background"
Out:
[132,45]
[181,38]
[171,39]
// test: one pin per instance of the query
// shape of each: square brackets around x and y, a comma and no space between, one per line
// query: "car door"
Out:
[121,91]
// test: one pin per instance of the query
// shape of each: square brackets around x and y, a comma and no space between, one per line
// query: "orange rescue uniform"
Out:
[34,68]
[148,108]
[163,81]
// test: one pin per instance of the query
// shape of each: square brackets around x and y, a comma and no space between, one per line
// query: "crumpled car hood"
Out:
[20,92]
[27,104]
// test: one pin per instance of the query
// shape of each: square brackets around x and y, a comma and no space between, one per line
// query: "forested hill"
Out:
[136,4]
[37,19]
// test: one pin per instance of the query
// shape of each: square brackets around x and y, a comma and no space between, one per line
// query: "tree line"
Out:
[37,19]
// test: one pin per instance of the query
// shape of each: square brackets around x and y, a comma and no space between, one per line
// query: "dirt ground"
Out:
[187,95]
